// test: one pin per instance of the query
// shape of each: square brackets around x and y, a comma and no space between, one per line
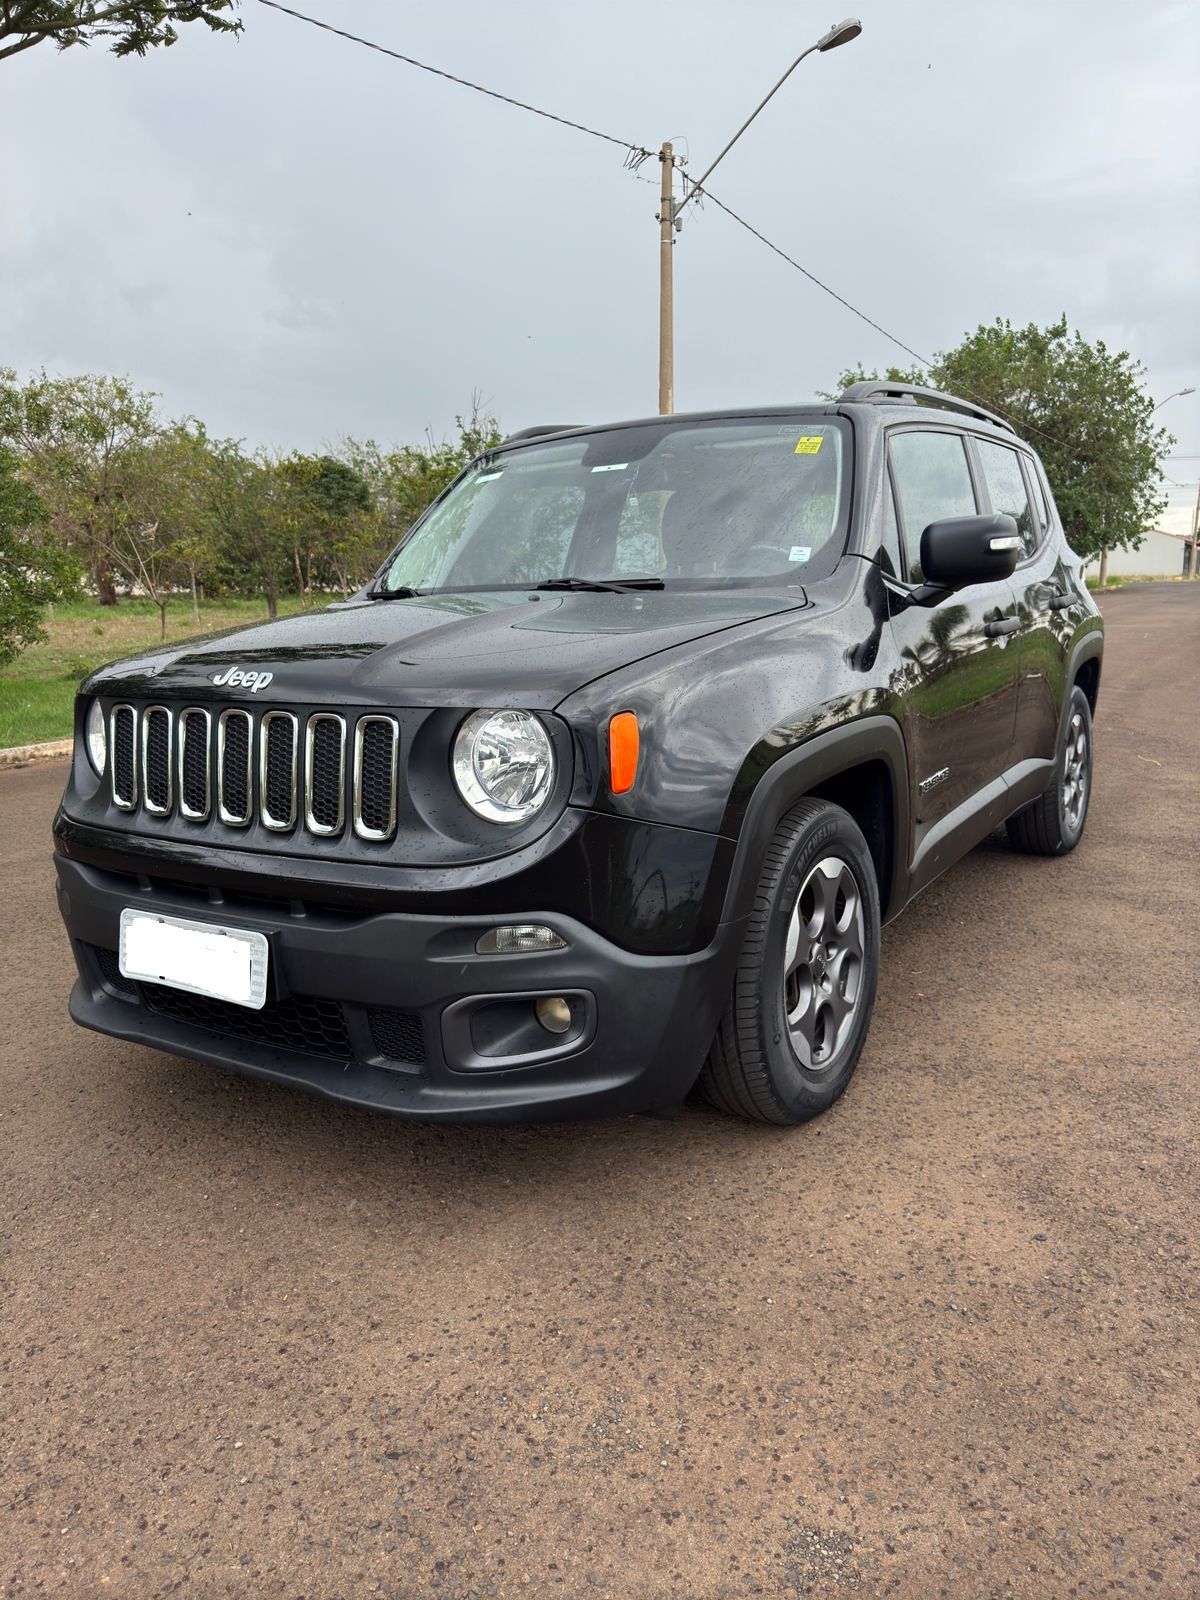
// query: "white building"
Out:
[1161,554]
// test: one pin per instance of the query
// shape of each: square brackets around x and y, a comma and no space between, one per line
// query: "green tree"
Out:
[132,26]
[33,569]
[83,442]
[334,530]
[405,481]
[180,494]
[1083,407]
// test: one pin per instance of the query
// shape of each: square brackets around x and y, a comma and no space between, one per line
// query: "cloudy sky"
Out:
[295,238]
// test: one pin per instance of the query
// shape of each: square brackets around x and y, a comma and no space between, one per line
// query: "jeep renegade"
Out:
[602,788]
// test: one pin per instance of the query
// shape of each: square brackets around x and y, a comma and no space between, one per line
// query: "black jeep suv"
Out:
[603,787]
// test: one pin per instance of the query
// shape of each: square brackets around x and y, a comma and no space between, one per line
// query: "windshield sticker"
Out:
[800,552]
[486,477]
[809,443]
[613,466]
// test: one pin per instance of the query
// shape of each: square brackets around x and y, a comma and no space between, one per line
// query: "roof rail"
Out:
[899,392]
[539,430]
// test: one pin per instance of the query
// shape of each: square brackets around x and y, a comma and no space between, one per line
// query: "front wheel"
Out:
[1054,824]
[805,984]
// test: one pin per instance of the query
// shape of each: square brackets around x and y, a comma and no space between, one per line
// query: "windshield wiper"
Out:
[601,585]
[395,594]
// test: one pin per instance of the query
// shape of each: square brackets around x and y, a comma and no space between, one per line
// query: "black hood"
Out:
[495,649]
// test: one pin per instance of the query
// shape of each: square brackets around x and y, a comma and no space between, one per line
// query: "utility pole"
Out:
[666,283]
[668,215]
[1195,537]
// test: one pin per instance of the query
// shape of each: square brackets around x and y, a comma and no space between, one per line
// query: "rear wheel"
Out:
[805,984]
[1054,823]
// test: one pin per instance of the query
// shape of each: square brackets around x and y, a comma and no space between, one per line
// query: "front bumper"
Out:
[369,1008]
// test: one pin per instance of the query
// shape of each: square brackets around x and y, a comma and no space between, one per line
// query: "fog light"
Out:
[554,1013]
[518,940]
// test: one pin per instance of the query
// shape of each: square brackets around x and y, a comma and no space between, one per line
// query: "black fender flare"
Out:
[1088,647]
[797,771]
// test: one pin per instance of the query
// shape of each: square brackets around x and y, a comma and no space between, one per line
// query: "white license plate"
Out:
[223,963]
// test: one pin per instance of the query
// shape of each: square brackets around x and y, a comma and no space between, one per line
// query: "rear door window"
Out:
[932,480]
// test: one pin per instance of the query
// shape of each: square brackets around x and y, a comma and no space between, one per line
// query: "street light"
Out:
[841,33]
[1174,396]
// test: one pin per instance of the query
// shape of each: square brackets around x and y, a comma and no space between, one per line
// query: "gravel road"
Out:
[941,1342]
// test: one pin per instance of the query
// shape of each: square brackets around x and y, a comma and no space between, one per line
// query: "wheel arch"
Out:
[1083,668]
[861,766]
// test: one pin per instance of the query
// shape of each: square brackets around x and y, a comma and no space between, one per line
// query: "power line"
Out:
[636,153]
[707,194]
[1021,424]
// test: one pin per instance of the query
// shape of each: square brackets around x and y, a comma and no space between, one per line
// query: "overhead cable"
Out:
[635,153]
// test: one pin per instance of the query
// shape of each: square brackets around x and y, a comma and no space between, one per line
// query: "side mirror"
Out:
[959,551]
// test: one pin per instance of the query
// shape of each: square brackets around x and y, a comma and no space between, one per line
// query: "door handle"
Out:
[1060,602]
[1002,625]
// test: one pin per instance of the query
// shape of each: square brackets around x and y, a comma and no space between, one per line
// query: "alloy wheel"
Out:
[823,963]
[1077,773]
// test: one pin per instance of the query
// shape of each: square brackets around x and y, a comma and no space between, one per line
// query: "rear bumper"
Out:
[344,988]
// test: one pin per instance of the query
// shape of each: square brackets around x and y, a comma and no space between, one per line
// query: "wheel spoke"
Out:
[844,971]
[802,1025]
[794,949]
[827,899]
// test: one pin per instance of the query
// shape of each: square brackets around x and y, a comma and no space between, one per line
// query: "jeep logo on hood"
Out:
[239,678]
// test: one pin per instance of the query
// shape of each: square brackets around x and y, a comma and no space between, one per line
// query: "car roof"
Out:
[884,410]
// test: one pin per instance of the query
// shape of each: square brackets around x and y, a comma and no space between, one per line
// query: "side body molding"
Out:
[793,774]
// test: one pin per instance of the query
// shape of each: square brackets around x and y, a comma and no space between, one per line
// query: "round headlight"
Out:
[96,734]
[503,764]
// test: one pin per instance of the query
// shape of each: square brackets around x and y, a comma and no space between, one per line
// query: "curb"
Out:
[24,755]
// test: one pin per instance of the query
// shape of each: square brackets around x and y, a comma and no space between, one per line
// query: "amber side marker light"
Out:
[624,742]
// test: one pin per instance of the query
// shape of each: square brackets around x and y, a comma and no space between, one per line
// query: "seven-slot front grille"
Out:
[326,775]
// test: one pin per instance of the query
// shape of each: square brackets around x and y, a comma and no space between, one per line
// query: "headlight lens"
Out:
[503,764]
[96,734]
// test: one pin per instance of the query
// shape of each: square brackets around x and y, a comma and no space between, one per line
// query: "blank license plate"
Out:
[223,963]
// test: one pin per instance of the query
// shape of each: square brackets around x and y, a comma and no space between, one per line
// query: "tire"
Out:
[817,878]
[1054,823]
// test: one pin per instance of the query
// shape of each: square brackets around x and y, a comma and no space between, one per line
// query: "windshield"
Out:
[689,503]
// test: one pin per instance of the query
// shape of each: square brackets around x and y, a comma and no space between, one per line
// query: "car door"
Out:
[1048,602]
[958,664]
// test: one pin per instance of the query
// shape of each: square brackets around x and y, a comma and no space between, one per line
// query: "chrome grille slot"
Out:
[195,784]
[234,782]
[325,773]
[156,760]
[123,738]
[376,753]
[277,770]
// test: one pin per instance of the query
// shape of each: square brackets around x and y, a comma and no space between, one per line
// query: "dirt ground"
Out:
[941,1342]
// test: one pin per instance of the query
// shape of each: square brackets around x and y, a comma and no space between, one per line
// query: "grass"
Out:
[1119,580]
[37,690]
